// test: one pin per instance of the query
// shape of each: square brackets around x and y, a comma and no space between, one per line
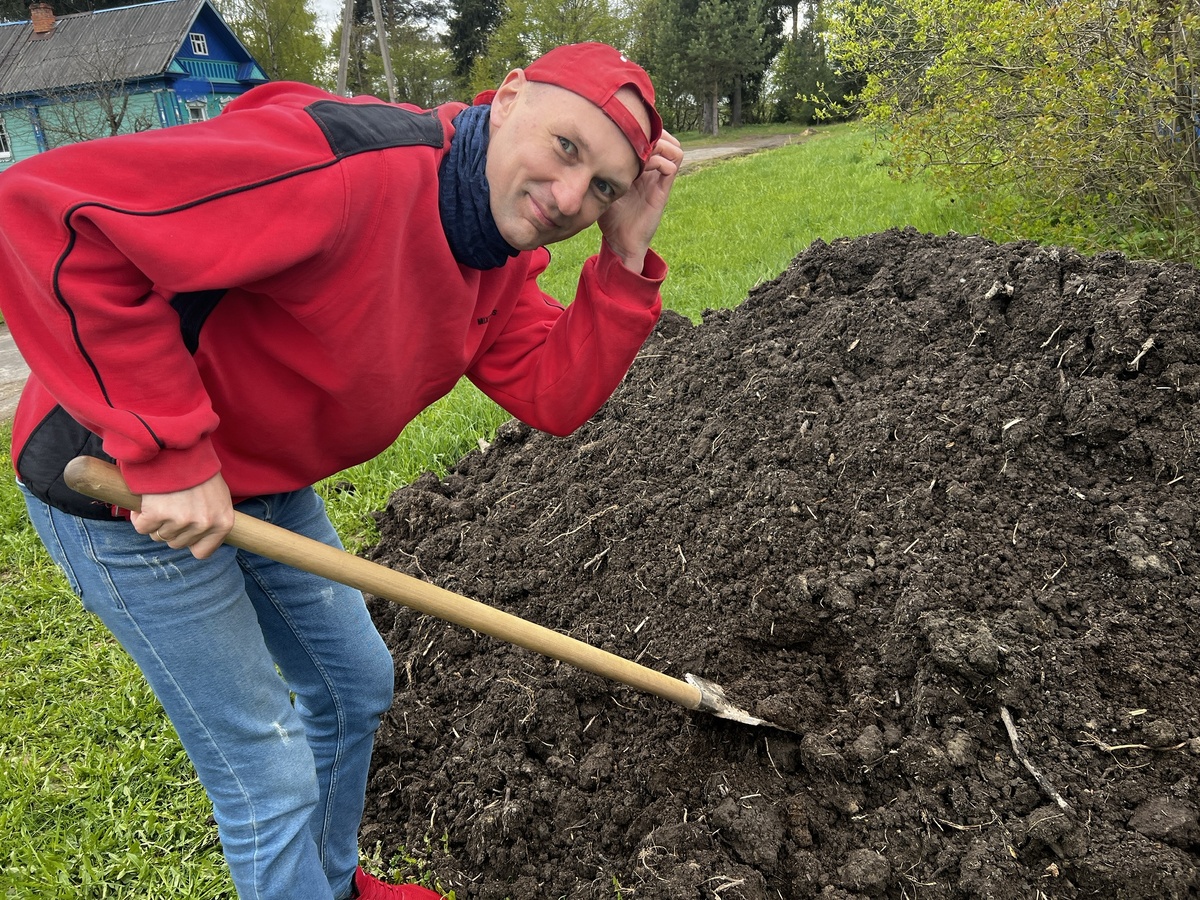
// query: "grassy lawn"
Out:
[97,799]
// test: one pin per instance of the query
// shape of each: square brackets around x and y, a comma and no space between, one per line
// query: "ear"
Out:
[506,96]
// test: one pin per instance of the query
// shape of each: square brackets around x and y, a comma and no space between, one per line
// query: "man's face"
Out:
[555,162]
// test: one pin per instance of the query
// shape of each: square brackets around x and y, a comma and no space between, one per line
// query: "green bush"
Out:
[1068,122]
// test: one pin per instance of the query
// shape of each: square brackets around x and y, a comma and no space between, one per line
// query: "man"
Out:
[236,309]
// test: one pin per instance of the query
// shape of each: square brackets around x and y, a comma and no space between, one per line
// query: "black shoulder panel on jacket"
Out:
[356,128]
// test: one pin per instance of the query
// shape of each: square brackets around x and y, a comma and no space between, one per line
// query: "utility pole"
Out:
[383,50]
[344,55]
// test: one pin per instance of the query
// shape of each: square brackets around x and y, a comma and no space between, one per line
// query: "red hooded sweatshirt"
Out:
[270,294]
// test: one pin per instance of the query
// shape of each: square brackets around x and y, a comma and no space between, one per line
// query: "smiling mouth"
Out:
[544,221]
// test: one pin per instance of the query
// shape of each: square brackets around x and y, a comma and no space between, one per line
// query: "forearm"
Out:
[553,368]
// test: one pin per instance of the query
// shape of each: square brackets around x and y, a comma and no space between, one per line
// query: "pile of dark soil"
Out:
[928,502]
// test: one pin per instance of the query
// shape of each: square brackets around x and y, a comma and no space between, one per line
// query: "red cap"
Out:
[596,72]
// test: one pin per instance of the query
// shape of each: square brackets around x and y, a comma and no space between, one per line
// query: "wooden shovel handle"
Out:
[103,481]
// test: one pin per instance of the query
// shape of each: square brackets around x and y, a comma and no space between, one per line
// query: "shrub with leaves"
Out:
[1075,122]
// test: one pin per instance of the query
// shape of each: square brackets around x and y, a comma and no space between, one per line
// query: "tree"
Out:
[1074,122]
[724,44]
[657,47]
[530,28]
[807,84]
[282,35]
[749,89]
[699,51]
[469,29]
[422,67]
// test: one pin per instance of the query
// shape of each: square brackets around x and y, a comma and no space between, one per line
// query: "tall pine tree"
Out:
[471,25]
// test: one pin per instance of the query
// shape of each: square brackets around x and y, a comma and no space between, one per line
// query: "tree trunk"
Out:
[715,112]
[384,51]
[344,55]
[735,106]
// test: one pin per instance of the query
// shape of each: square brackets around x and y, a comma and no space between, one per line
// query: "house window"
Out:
[5,143]
[199,43]
[197,112]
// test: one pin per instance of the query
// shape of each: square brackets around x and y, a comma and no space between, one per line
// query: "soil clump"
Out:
[929,502]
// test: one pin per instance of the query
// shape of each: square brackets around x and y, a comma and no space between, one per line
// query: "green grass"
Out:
[96,797]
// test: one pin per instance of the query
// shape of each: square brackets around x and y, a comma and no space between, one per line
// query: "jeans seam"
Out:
[60,558]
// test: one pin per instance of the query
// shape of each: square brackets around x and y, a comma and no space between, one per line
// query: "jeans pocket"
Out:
[76,546]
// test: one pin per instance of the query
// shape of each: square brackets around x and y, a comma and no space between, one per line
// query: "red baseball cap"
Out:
[597,72]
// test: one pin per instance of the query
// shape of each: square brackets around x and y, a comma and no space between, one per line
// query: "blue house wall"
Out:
[213,77]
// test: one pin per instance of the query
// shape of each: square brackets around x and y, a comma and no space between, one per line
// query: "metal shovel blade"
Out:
[713,700]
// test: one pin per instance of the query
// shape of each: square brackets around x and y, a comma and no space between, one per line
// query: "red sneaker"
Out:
[368,887]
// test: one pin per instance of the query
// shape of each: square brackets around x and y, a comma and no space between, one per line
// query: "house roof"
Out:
[121,44]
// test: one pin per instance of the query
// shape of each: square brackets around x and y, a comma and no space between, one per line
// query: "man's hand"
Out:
[198,518]
[629,224]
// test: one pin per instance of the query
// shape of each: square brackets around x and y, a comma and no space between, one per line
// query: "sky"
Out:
[329,13]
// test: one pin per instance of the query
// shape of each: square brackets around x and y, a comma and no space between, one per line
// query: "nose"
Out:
[569,192]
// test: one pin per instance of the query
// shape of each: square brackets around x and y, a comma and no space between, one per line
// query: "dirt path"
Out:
[740,147]
[13,372]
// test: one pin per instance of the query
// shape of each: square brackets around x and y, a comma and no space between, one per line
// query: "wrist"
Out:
[635,262]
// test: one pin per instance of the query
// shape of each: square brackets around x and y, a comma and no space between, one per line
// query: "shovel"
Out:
[103,481]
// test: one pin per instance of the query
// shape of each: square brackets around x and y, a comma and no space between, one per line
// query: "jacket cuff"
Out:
[611,271]
[172,470]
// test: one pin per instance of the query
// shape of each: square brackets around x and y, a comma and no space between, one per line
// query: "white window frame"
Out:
[197,112]
[5,141]
[199,43]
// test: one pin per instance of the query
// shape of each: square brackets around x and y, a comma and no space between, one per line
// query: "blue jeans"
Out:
[212,637]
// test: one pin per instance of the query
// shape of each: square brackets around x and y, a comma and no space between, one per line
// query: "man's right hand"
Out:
[198,518]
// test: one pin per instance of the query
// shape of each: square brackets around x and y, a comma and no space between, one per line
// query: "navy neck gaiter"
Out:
[464,198]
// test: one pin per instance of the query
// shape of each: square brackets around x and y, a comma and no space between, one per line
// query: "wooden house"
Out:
[114,71]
